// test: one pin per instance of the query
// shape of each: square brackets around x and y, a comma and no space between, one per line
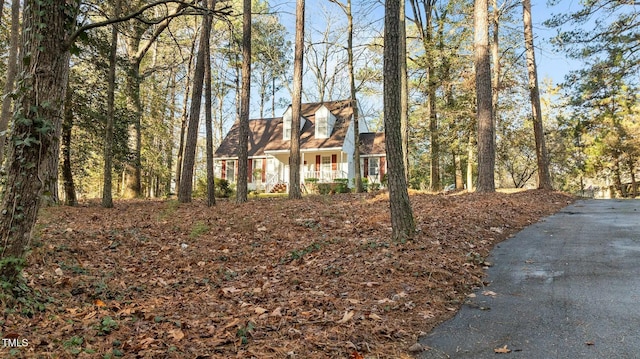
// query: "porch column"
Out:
[302,167]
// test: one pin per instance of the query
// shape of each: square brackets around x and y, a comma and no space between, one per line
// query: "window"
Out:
[374,166]
[231,171]
[286,131]
[325,168]
[257,170]
[321,127]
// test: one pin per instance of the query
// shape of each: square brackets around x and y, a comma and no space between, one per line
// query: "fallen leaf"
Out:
[489,293]
[260,310]
[346,317]
[356,355]
[59,272]
[416,348]
[375,316]
[176,334]
[99,303]
[276,312]
[502,350]
[144,343]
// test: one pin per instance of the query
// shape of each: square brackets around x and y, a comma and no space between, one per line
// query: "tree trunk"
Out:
[296,104]
[486,142]
[12,65]
[495,56]
[211,197]
[433,130]
[39,107]
[107,189]
[169,144]
[632,173]
[67,174]
[354,101]
[184,117]
[187,177]
[404,91]
[544,178]
[470,161]
[245,96]
[133,187]
[458,170]
[401,214]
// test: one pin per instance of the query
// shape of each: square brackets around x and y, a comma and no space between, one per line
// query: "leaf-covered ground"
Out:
[272,278]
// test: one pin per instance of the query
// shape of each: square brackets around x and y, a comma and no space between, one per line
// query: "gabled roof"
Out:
[372,143]
[266,134]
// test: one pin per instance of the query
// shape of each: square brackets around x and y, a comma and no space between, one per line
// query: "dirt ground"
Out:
[272,278]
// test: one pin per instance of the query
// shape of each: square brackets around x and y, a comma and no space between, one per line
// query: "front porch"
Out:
[316,167]
[271,171]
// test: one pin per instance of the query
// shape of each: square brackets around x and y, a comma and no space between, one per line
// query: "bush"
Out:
[339,186]
[223,188]
[342,185]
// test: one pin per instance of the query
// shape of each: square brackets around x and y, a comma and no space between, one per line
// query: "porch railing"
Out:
[324,176]
[272,180]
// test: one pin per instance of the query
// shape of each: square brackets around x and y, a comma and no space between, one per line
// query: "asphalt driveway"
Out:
[566,287]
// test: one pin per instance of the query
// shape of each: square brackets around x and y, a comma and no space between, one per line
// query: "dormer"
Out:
[325,121]
[286,124]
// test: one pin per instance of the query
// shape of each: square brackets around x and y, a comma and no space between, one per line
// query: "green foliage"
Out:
[244,332]
[299,253]
[106,326]
[15,293]
[74,344]
[198,229]
[339,186]
[223,188]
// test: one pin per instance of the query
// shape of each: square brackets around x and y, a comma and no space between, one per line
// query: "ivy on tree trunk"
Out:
[39,108]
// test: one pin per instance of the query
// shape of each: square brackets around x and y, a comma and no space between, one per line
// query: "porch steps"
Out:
[279,188]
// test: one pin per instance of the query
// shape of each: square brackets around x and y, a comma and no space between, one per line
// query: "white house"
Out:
[326,148]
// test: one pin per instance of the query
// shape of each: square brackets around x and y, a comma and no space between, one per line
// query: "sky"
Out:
[550,64]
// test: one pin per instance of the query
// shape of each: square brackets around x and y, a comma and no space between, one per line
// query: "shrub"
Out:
[223,188]
[342,185]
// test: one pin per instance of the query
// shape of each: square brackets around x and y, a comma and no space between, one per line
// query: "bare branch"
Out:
[136,15]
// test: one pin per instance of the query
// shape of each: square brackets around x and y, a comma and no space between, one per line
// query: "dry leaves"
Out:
[503,350]
[272,278]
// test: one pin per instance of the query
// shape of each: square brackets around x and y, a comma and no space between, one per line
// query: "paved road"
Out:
[566,287]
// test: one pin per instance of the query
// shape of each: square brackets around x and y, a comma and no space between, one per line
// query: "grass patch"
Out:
[199,228]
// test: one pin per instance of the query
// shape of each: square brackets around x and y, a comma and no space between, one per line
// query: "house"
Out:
[326,148]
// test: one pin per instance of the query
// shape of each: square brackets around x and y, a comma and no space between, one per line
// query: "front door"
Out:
[325,169]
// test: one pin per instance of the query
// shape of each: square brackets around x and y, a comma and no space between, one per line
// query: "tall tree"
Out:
[296,104]
[544,179]
[484,117]
[67,174]
[39,105]
[404,90]
[107,195]
[185,191]
[402,223]
[136,50]
[12,65]
[346,8]
[245,96]
[211,196]
[185,115]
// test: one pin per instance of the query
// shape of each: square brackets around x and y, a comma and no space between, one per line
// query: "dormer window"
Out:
[286,125]
[286,130]
[322,127]
[325,121]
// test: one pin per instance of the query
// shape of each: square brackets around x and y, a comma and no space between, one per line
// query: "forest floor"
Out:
[272,278]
